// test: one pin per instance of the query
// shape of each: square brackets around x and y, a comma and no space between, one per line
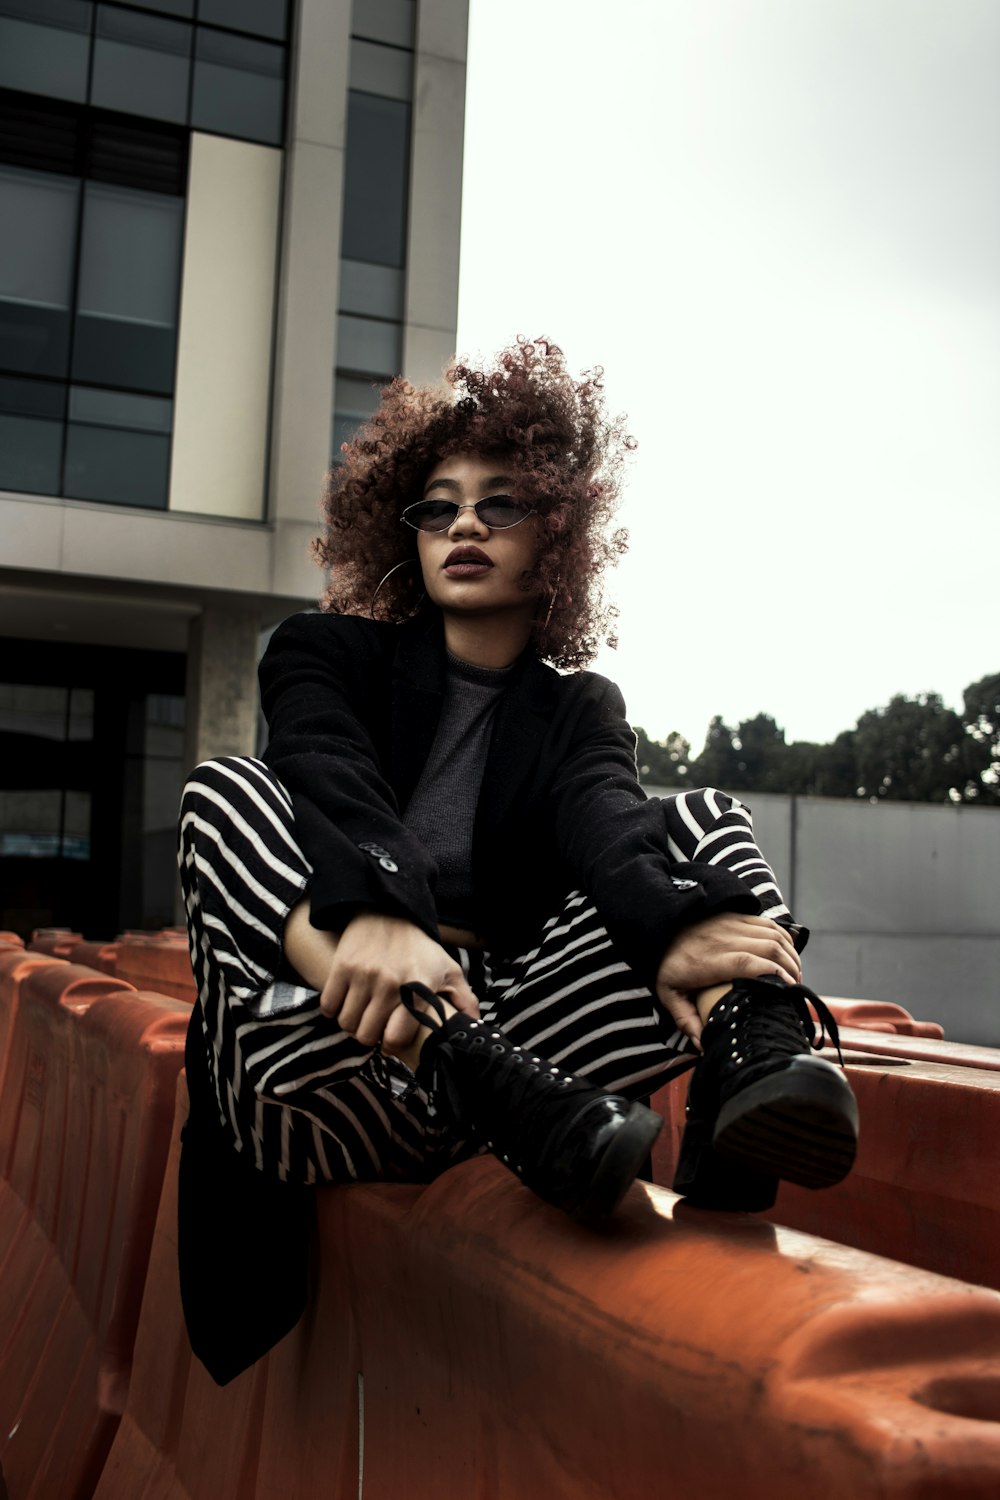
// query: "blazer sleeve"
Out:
[324,683]
[614,841]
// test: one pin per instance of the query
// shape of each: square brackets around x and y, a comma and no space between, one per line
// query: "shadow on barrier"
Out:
[926,1185]
[85,1120]
[465,1340]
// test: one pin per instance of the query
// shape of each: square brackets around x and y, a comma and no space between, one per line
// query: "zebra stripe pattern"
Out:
[302,1097]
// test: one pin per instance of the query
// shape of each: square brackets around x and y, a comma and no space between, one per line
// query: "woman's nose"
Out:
[467,523]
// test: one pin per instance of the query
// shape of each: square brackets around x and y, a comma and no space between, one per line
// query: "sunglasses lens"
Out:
[431,515]
[500,513]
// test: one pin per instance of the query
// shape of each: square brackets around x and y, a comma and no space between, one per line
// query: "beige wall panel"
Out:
[113,542]
[294,572]
[226,325]
[435,206]
[31,532]
[427,353]
[443,28]
[307,333]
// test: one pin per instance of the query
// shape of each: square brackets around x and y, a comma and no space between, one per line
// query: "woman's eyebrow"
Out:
[453,484]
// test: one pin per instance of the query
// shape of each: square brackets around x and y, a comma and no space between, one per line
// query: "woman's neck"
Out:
[486,641]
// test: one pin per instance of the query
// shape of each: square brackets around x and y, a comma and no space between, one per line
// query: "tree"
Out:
[719,762]
[910,751]
[981,746]
[763,753]
[914,750]
[663,762]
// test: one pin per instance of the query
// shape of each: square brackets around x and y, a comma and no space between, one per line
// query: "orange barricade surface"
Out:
[918,1047]
[926,1185]
[881,1015]
[96,955]
[85,1120]
[160,963]
[15,966]
[50,939]
[466,1340]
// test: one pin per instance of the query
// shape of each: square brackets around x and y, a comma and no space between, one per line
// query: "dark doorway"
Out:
[91,757]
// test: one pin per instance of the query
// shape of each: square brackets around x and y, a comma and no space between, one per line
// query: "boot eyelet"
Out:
[459,1036]
[497,1047]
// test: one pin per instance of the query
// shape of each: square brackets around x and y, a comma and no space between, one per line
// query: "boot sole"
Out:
[619,1165]
[801,1124]
[708,1180]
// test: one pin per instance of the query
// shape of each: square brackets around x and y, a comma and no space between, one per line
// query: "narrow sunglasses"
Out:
[497,512]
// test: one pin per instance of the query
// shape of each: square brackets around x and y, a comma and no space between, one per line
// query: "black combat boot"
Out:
[761,1107]
[574,1145]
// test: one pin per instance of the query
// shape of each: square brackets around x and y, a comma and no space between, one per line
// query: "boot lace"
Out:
[770,1028]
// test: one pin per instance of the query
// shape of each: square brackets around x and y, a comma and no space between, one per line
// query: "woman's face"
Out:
[469,569]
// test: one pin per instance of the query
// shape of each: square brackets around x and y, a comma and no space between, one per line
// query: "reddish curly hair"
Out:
[567,457]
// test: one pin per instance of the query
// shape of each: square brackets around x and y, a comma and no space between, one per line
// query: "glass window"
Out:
[33,709]
[373,290]
[120,409]
[133,153]
[376,179]
[81,714]
[38,211]
[392,21]
[130,255]
[45,47]
[262,17]
[30,824]
[365,344]
[354,400]
[174,7]
[141,64]
[76,826]
[238,87]
[31,426]
[118,448]
[381,70]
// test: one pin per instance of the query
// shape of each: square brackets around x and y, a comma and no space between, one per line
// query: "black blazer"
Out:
[352,706]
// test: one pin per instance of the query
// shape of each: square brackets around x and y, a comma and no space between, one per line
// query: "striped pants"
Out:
[302,1099]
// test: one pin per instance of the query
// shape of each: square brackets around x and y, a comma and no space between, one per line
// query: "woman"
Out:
[441,916]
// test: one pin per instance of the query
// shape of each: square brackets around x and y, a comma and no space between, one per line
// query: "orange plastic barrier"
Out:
[48,939]
[15,966]
[85,1121]
[466,1340]
[919,1048]
[160,963]
[926,1185]
[96,955]
[881,1015]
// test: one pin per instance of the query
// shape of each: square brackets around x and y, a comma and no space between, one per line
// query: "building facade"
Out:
[226,224]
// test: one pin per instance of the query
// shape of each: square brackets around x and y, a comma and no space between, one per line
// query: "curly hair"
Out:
[566,456]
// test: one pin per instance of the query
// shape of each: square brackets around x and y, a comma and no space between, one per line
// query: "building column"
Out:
[223,649]
[308,290]
[435,219]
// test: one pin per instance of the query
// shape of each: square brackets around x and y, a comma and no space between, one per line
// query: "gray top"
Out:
[442,810]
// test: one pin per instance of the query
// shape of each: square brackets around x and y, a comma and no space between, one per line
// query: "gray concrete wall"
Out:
[902,899]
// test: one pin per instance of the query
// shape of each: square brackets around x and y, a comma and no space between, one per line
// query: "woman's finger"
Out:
[683,1012]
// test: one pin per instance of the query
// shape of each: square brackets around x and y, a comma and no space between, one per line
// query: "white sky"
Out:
[776,223]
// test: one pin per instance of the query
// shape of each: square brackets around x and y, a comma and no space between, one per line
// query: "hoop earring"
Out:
[395,569]
[552,603]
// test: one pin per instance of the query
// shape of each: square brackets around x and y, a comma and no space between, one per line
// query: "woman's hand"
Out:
[375,955]
[717,951]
